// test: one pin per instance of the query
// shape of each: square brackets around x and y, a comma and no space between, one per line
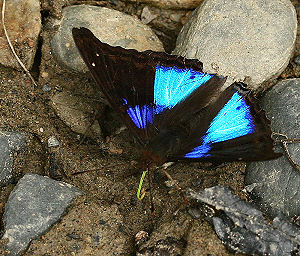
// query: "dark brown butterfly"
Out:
[174,109]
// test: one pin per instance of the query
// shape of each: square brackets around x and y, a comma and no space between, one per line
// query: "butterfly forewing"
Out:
[142,85]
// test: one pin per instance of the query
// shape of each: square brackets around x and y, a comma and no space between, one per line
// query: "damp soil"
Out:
[112,177]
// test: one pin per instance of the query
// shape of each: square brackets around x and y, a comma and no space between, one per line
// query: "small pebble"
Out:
[297,60]
[176,17]
[147,15]
[46,88]
[141,237]
[44,74]
[53,142]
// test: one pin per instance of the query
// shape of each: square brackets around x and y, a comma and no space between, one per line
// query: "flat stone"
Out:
[171,4]
[274,184]
[110,26]
[241,39]
[76,113]
[34,205]
[10,142]
[23,25]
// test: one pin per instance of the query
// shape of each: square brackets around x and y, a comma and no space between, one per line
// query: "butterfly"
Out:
[174,109]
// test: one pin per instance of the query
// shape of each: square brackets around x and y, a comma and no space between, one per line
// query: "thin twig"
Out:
[12,48]
[284,142]
[294,164]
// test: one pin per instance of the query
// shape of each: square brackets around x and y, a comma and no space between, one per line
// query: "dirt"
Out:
[28,110]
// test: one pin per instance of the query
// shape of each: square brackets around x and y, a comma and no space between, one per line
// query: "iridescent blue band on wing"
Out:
[140,115]
[171,86]
[233,120]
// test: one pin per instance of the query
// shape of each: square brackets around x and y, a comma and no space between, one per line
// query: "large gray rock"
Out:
[10,142]
[275,184]
[111,26]
[241,38]
[33,206]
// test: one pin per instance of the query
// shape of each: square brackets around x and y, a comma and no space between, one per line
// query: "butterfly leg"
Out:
[92,121]
[151,194]
[181,191]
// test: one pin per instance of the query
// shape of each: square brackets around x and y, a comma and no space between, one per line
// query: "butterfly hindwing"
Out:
[234,128]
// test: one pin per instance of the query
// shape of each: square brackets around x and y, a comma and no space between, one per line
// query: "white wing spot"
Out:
[93,64]
[97,54]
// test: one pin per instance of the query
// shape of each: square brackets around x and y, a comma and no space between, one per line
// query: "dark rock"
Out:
[242,228]
[10,142]
[297,60]
[275,184]
[34,205]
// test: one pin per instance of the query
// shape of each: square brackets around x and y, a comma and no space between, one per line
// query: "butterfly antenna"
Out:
[141,192]
[284,143]
[97,169]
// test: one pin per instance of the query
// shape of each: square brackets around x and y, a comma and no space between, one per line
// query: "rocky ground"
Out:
[63,126]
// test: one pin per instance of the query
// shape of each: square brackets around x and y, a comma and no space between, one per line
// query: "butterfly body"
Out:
[174,109]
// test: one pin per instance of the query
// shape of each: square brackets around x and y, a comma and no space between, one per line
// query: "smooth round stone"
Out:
[171,4]
[23,25]
[274,184]
[46,88]
[241,39]
[110,26]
